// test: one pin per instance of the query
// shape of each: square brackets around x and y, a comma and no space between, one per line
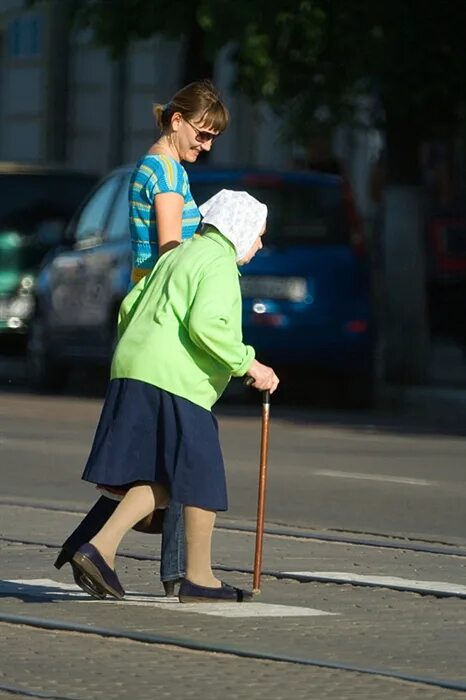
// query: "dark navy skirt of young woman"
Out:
[148,434]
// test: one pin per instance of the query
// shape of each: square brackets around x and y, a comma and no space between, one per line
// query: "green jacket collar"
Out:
[214,235]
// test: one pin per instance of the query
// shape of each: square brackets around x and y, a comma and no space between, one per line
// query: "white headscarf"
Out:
[238,216]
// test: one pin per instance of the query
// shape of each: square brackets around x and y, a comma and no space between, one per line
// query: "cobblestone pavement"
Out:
[372,628]
[95,668]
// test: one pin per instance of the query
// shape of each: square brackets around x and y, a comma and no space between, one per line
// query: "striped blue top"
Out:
[155,174]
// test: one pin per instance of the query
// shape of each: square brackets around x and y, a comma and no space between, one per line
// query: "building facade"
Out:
[63,99]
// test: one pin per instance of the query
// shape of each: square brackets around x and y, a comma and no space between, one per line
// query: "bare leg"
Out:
[138,502]
[199,525]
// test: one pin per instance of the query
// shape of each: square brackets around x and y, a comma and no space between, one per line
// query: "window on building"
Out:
[24,36]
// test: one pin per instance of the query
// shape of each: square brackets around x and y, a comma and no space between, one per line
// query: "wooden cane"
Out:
[261,492]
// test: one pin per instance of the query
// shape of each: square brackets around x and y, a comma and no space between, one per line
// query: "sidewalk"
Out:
[366,627]
[441,402]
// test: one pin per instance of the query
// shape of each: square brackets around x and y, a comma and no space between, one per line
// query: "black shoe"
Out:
[169,586]
[87,529]
[64,557]
[192,593]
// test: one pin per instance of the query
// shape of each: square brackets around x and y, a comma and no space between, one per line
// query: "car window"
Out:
[118,224]
[303,213]
[94,214]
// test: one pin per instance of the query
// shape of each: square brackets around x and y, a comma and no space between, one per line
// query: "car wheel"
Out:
[43,371]
[359,390]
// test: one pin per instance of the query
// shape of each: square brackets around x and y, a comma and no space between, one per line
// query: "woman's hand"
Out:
[264,377]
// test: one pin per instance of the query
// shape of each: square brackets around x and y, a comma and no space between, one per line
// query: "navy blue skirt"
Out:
[148,434]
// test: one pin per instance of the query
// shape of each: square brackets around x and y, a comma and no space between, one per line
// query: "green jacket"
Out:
[180,327]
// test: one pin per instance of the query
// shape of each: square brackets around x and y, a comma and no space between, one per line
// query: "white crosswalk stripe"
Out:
[48,589]
[439,587]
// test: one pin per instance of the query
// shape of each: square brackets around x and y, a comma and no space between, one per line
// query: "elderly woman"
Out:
[180,343]
[162,213]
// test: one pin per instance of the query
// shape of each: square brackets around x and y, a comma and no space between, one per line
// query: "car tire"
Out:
[359,390]
[44,372]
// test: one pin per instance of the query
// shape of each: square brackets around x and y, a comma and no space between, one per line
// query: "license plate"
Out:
[258,287]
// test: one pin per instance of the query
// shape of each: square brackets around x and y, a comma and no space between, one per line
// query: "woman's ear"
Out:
[176,120]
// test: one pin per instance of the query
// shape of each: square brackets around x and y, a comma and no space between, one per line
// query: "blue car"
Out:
[307,295]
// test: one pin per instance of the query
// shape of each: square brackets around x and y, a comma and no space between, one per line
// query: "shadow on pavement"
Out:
[40,591]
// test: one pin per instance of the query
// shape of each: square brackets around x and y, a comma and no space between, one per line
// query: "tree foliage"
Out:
[410,53]
[312,59]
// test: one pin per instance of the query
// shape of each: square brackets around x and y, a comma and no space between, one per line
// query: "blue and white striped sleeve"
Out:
[163,175]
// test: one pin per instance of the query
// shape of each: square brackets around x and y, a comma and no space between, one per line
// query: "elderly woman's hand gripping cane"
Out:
[262,377]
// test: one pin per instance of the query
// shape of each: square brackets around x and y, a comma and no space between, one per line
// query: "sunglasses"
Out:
[202,136]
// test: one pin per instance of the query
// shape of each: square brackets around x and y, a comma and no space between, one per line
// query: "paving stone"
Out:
[377,628]
[77,666]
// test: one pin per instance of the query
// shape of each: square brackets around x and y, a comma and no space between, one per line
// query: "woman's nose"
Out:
[206,146]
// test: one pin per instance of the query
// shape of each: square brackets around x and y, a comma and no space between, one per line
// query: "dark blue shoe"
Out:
[86,585]
[65,557]
[96,573]
[192,593]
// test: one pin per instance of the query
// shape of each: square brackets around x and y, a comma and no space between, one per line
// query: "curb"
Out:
[441,405]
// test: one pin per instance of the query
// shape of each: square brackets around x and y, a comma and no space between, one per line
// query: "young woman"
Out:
[180,343]
[162,214]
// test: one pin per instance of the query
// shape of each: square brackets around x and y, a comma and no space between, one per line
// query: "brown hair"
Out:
[199,99]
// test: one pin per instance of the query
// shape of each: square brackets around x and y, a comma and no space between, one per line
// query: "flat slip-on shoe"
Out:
[192,593]
[65,557]
[86,585]
[96,572]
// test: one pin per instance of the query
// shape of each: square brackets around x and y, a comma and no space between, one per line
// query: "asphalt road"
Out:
[334,471]
[328,471]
